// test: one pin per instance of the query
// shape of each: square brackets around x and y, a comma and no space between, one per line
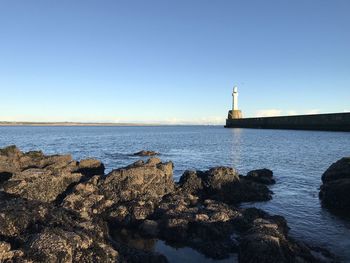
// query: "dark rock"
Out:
[206,227]
[267,241]
[40,184]
[7,254]
[45,233]
[338,170]
[90,167]
[34,176]
[217,178]
[146,153]
[126,194]
[263,176]
[334,193]
[223,184]
[191,182]
[4,176]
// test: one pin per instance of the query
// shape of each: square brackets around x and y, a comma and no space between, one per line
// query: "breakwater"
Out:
[322,122]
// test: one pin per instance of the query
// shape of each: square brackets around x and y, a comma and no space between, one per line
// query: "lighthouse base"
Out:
[235,114]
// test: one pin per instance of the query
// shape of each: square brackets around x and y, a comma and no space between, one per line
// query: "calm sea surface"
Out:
[297,158]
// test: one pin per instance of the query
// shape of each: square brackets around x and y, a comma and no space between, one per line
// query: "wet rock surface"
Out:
[334,192]
[146,153]
[264,176]
[55,209]
[224,184]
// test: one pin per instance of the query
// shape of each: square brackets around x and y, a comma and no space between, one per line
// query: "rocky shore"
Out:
[56,209]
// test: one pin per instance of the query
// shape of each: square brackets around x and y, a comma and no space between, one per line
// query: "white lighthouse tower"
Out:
[235,99]
[235,113]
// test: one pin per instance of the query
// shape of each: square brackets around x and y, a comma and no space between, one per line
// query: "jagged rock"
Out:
[90,167]
[34,176]
[146,153]
[58,245]
[10,159]
[334,193]
[338,170]
[7,254]
[206,227]
[224,184]
[40,184]
[139,186]
[17,214]
[263,176]
[267,241]
[217,178]
[46,233]
[191,183]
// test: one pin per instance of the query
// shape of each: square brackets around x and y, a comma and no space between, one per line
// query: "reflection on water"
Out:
[236,146]
[186,254]
[297,158]
[174,253]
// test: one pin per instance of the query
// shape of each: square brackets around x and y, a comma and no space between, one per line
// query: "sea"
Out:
[297,158]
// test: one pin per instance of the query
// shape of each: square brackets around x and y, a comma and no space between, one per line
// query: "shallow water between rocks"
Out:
[297,158]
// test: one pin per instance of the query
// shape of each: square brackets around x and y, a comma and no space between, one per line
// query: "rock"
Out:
[58,245]
[191,182]
[223,184]
[263,176]
[90,167]
[267,241]
[45,233]
[206,227]
[139,185]
[334,193]
[146,153]
[338,170]
[218,177]
[40,184]
[10,159]
[35,176]
[8,255]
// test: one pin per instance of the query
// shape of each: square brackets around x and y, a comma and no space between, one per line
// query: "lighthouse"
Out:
[235,113]
[235,99]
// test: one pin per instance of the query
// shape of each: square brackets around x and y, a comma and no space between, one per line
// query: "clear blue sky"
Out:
[172,61]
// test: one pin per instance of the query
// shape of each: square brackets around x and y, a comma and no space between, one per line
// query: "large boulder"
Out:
[266,240]
[40,184]
[45,233]
[217,230]
[7,254]
[264,176]
[223,184]
[35,176]
[334,192]
[125,194]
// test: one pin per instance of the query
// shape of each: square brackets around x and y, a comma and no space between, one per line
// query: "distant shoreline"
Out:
[93,124]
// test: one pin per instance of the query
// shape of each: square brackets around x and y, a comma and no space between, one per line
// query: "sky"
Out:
[172,62]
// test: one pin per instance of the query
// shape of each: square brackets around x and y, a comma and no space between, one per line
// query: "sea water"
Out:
[297,158]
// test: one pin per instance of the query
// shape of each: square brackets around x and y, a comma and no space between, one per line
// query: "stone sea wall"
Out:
[322,122]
